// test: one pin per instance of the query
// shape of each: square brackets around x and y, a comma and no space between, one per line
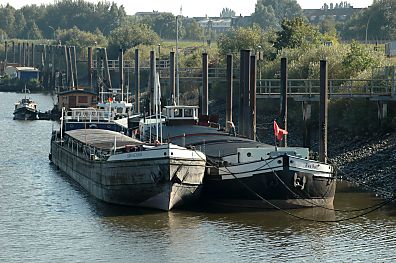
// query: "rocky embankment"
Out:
[369,160]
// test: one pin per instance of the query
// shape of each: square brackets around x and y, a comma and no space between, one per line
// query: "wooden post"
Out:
[253,89]
[246,94]
[152,79]
[205,84]
[66,61]
[13,52]
[71,70]
[90,64]
[32,55]
[23,61]
[137,82]
[53,75]
[229,91]
[307,109]
[5,51]
[107,78]
[19,54]
[27,55]
[323,107]
[172,77]
[74,53]
[283,98]
[121,71]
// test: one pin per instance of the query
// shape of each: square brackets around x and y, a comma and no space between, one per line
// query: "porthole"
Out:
[249,154]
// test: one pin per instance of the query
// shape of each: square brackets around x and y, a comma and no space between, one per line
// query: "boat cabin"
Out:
[181,115]
[120,108]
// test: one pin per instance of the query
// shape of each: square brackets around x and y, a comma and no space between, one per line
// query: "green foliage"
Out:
[303,63]
[245,38]
[378,21]
[227,12]
[270,13]
[193,31]
[358,59]
[129,36]
[81,39]
[297,33]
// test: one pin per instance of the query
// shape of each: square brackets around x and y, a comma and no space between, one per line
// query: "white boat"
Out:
[25,109]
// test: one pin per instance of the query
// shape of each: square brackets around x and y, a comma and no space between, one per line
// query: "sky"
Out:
[193,8]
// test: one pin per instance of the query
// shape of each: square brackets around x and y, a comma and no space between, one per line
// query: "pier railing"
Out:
[342,88]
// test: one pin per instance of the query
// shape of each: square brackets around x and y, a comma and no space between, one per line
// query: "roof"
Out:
[27,69]
[76,91]
[208,140]
[102,139]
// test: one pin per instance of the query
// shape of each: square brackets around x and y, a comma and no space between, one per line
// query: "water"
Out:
[45,217]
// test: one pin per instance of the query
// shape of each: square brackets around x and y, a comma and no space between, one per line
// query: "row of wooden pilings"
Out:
[247,110]
[51,60]
[52,57]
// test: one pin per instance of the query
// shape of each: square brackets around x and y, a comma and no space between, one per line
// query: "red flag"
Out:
[110,99]
[279,132]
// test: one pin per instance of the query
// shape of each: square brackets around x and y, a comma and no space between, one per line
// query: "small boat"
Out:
[118,169]
[25,109]
[244,173]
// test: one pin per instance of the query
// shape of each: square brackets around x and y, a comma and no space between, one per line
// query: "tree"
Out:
[32,31]
[227,13]
[253,38]
[193,31]
[296,33]
[132,35]
[80,39]
[277,10]
[377,22]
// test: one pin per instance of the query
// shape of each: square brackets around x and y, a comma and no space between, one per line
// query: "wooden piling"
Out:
[152,79]
[172,77]
[13,52]
[283,98]
[253,90]
[107,78]
[27,55]
[66,61]
[74,52]
[323,108]
[23,62]
[32,55]
[19,54]
[90,64]
[5,51]
[121,72]
[53,75]
[70,64]
[307,110]
[205,85]
[246,94]
[229,77]
[137,82]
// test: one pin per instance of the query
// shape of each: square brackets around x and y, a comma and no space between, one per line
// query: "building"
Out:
[22,73]
[77,99]
[315,16]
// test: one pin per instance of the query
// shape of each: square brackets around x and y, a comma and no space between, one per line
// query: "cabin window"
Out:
[188,112]
[178,113]
[82,99]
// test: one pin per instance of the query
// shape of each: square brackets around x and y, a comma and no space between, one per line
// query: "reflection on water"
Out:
[46,217]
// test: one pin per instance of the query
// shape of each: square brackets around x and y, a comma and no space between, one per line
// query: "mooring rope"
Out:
[372,208]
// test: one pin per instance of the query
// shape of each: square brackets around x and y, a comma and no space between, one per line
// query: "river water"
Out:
[45,217]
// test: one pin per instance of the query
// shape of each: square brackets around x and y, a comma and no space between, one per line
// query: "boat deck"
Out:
[102,139]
